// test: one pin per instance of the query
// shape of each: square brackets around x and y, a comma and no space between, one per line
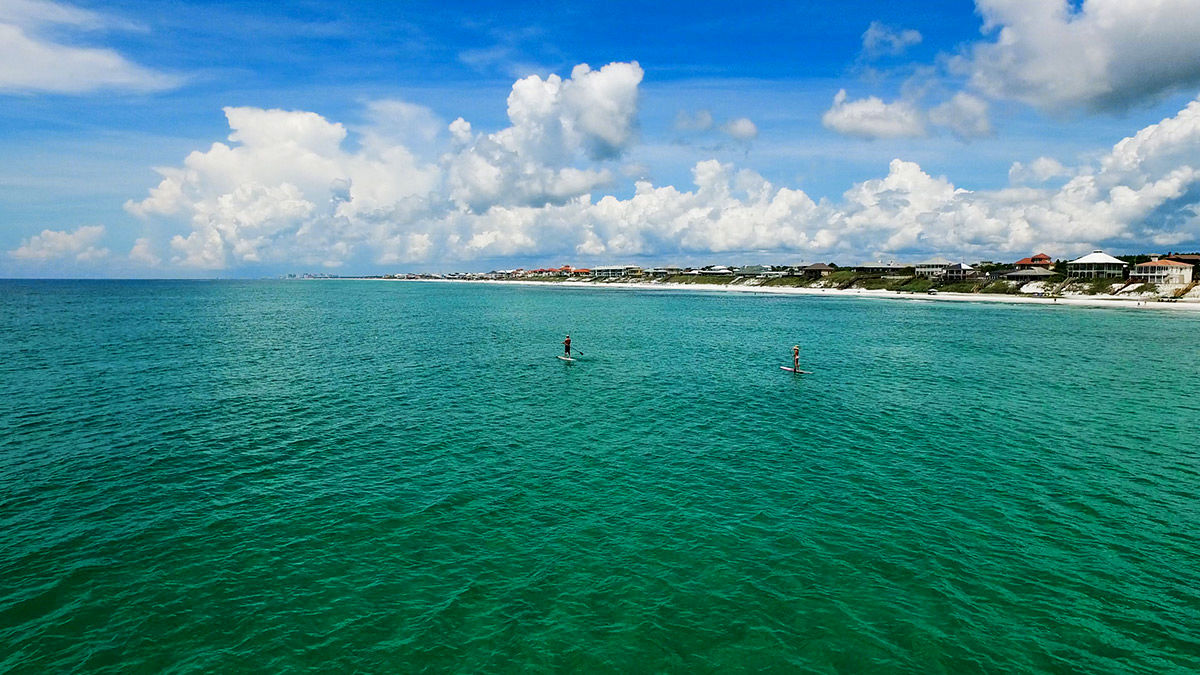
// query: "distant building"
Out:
[1041,260]
[1096,265]
[932,268]
[753,270]
[880,267]
[1162,272]
[1192,259]
[818,270]
[959,272]
[1030,274]
[607,271]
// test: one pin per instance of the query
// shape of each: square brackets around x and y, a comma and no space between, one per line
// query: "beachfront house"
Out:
[959,272]
[1192,259]
[818,270]
[753,270]
[608,271]
[1039,261]
[1097,265]
[933,268]
[1030,274]
[890,267]
[1161,272]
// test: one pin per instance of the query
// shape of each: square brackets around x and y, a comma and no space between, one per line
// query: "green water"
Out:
[400,477]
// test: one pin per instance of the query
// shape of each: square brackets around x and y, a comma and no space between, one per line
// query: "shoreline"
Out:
[1069,301]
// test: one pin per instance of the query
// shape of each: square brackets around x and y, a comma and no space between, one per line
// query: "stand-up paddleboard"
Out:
[793,370]
[565,358]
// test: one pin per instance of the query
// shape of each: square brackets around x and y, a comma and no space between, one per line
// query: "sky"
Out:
[248,139]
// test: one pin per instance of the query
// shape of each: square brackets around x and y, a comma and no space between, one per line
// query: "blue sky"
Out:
[771,132]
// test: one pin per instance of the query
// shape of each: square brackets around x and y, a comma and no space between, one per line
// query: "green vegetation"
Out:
[1100,285]
[958,287]
[915,285]
[794,282]
[876,283]
[841,276]
[713,279]
[1146,288]
[1004,287]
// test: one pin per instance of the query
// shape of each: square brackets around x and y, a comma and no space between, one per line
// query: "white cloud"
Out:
[287,190]
[966,116]
[1172,140]
[556,123]
[40,12]
[741,129]
[880,40]
[143,253]
[1039,170]
[285,187]
[58,245]
[1101,54]
[872,118]
[30,62]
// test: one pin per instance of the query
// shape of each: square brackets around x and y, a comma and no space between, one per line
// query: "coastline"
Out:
[1064,301]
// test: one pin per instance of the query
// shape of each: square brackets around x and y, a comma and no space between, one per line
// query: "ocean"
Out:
[231,476]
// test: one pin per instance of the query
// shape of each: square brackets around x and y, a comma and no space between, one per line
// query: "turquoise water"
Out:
[398,477]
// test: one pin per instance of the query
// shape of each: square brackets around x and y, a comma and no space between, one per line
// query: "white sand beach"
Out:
[1070,300]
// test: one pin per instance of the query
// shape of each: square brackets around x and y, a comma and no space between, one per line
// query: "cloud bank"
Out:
[286,188]
[1098,54]
[80,245]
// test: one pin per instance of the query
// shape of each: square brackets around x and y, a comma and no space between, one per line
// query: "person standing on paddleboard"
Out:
[796,357]
[567,346]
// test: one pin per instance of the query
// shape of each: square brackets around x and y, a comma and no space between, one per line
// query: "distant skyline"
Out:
[242,139]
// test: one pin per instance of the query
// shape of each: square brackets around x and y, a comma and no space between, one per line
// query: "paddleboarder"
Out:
[796,358]
[567,346]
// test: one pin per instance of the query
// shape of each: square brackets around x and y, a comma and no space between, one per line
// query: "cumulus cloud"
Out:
[556,123]
[285,188]
[966,116]
[1098,54]
[1039,170]
[882,40]
[143,253]
[283,185]
[741,129]
[79,245]
[32,62]
[873,118]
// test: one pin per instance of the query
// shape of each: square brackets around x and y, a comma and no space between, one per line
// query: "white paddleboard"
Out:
[566,358]
[793,370]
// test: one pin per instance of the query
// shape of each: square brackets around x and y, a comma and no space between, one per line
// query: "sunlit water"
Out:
[371,476]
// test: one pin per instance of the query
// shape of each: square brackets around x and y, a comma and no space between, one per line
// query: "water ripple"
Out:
[202,476]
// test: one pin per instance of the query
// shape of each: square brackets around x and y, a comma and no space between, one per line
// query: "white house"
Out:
[1162,272]
[959,272]
[934,267]
[604,271]
[1095,265]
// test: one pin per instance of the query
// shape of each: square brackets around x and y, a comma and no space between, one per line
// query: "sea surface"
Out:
[362,476]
